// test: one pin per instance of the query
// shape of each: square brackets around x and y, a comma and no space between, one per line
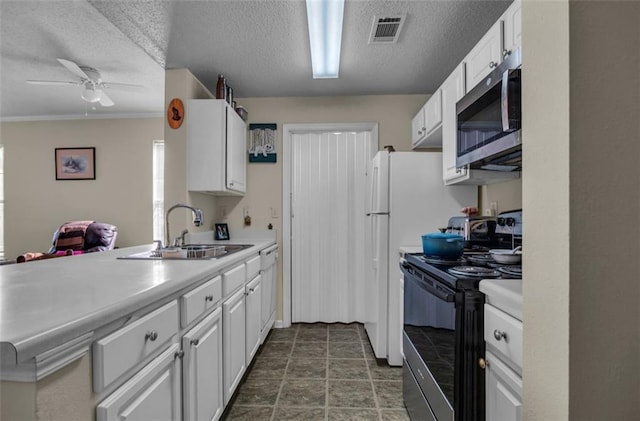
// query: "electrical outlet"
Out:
[222,212]
[494,208]
[274,213]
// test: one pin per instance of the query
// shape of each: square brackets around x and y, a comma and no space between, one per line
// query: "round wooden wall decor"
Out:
[175,113]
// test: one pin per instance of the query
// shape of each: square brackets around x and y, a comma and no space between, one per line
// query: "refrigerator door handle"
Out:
[373,188]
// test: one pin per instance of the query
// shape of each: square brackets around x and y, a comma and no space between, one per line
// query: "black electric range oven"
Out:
[443,335]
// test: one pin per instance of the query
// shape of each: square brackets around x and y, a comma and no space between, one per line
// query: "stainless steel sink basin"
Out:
[190,252]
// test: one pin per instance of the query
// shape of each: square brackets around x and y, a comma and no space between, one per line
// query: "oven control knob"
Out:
[482,363]
[499,335]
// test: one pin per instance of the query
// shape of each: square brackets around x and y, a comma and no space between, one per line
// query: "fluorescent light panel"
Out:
[324,18]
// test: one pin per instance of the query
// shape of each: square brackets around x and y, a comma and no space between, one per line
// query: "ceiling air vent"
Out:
[385,30]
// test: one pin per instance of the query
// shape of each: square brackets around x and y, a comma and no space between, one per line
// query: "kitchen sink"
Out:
[189,252]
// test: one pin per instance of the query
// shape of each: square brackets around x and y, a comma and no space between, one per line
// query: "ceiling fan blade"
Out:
[122,86]
[52,82]
[73,68]
[105,101]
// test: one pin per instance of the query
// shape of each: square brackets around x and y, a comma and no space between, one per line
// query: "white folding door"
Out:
[328,224]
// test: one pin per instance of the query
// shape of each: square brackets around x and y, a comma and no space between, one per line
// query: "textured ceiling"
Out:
[261,46]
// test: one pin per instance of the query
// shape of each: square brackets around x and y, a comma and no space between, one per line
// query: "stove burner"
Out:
[480,259]
[511,270]
[439,260]
[474,271]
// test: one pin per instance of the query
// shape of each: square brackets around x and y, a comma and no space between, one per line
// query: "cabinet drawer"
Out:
[253,267]
[233,279]
[503,333]
[120,351]
[197,301]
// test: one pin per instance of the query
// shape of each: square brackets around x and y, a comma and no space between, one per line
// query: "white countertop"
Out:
[505,294]
[409,250]
[48,302]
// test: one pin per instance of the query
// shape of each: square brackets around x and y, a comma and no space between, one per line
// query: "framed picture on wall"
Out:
[75,163]
[222,232]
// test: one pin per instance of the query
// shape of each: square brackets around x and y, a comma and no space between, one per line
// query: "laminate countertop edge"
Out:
[44,304]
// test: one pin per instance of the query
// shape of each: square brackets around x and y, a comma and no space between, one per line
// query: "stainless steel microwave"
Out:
[489,120]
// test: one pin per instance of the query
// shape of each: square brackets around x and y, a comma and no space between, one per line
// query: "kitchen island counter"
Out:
[47,303]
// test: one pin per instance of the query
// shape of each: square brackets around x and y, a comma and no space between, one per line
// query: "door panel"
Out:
[328,225]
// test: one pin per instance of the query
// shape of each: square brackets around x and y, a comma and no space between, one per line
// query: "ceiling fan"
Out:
[93,87]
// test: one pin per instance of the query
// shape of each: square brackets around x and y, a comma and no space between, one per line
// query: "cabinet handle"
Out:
[506,53]
[493,64]
[151,336]
[195,342]
[246,294]
[483,363]
[251,289]
[499,335]
[208,298]
[178,354]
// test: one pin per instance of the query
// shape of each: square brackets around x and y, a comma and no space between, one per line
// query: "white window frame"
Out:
[158,189]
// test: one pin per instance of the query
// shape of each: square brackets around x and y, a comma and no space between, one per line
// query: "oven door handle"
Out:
[445,294]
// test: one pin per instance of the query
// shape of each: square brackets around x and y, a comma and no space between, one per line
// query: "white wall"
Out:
[581,103]
[507,195]
[36,204]
[264,188]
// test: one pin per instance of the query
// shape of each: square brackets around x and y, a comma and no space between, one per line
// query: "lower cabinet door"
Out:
[202,370]
[152,394]
[233,333]
[254,317]
[268,299]
[503,391]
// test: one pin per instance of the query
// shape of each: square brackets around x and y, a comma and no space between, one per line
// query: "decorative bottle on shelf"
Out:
[221,88]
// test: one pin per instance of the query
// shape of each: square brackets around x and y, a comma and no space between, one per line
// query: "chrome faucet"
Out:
[198,219]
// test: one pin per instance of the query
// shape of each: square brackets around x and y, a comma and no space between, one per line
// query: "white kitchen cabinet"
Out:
[233,279]
[152,394]
[503,356]
[253,292]
[512,21]
[116,354]
[216,151]
[485,56]
[427,124]
[503,391]
[203,398]
[269,259]
[418,127]
[453,89]
[199,300]
[234,341]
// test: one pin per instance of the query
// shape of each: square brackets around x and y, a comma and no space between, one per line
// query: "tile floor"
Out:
[318,372]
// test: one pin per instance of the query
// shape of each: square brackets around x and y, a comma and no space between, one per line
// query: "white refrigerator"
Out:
[407,198]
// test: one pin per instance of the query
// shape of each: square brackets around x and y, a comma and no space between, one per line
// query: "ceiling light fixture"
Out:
[90,94]
[324,18]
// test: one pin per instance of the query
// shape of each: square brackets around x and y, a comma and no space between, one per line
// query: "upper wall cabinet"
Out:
[485,56]
[512,24]
[427,124]
[216,152]
[452,91]
[503,37]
